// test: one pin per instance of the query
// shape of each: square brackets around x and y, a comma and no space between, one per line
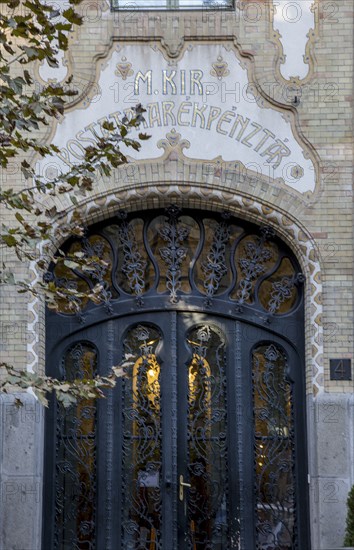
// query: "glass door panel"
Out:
[207,508]
[142,443]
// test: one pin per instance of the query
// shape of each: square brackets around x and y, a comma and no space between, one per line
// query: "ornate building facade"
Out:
[228,240]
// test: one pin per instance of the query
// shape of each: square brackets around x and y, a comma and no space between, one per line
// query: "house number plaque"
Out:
[340,369]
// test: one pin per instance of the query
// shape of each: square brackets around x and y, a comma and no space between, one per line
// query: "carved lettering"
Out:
[195,81]
[167,113]
[154,114]
[276,151]
[213,115]
[168,79]
[244,122]
[246,139]
[183,109]
[264,139]
[225,117]
[147,77]
[200,113]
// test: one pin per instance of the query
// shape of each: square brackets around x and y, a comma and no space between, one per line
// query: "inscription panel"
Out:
[206,96]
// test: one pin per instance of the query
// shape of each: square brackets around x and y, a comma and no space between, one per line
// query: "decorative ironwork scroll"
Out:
[142,446]
[133,266]
[252,264]
[96,247]
[174,253]
[214,267]
[207,442]
[283,290]
[75,461]
[274,451]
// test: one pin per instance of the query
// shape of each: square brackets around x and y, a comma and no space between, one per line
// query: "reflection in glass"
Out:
[207,443]
[75,474]
[142,460]
[274,450]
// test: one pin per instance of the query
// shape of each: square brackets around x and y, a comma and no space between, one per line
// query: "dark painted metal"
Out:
[186,324]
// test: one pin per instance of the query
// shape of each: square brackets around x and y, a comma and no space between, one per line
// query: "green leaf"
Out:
[9,240]
[72,16]
[19,217]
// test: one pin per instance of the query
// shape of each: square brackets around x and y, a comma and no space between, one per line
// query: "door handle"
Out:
[181,487]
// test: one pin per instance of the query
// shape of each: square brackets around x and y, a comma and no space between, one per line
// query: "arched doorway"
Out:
[202,445]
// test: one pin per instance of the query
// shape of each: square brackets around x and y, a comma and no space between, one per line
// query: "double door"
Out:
[179,443]
[199,447]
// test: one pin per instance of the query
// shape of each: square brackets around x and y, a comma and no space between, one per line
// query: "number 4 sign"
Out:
[340,369]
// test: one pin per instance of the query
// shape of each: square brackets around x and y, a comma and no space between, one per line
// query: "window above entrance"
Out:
[175,256]
[132,5]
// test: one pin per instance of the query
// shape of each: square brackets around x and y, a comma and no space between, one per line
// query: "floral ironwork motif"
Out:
[274,450]
[174,253]
[282,290]
[151,254]
[99,269]
[252,264]
[75,462]
[207,443]
[214,267]
[134,266]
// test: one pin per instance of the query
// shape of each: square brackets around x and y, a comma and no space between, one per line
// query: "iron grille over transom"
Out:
[177,255]
[201,446]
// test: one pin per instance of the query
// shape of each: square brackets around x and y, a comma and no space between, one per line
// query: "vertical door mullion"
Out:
[108,428]
[117,434]
[182,438]
[168,323]
[235,425]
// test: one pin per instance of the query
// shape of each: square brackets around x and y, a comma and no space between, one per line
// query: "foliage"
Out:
[33,31]
[67,393]
[349,532]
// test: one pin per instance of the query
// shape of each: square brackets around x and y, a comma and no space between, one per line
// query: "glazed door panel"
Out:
[175,444]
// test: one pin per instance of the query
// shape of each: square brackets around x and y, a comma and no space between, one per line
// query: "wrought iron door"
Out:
[201,446]
[176,479]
